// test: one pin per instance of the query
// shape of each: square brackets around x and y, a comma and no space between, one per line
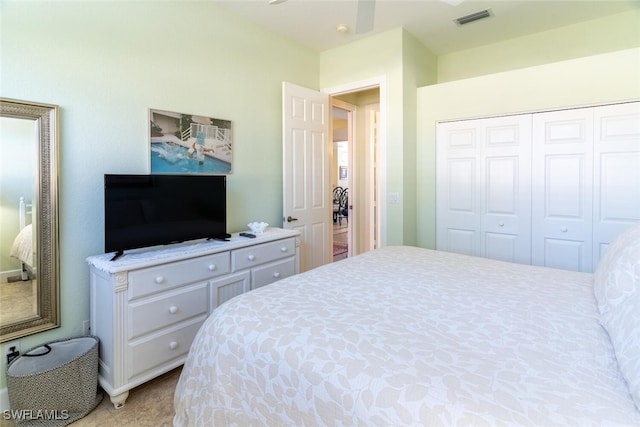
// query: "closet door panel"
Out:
[562,189]
[457,187]
[562,175]
[565,253]
[462,216]
[506,194]
[501,225]
[500,246]
[461,185]
[461,241]
[619,182]
[616,172]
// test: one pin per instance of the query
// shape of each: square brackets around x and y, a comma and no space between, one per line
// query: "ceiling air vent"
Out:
[473,17]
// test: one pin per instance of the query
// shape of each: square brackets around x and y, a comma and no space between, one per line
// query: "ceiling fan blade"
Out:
[364,18]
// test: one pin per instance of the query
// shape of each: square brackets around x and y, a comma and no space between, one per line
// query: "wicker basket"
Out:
[54,384]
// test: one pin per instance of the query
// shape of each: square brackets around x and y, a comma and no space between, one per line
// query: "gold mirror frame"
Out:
[48,313]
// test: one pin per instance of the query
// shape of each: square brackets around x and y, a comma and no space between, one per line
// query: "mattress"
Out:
[403,336]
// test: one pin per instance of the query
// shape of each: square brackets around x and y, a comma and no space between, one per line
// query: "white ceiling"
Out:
[313,22]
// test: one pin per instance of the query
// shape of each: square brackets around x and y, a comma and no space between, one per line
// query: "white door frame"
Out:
[357,86]
[371,201]
[352,165]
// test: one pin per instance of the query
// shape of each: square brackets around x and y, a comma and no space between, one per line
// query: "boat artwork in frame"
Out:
[188,144]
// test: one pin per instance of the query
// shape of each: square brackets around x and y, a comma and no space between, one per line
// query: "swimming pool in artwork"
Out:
[174,158]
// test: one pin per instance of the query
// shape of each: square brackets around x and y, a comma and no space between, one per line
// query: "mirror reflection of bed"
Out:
[18,284]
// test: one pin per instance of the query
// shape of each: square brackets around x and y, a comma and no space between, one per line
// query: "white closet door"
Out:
[483,200]
[616,172]
[457,187]
[506,189]
[562,189]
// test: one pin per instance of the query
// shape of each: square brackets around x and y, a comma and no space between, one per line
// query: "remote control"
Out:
[249,235]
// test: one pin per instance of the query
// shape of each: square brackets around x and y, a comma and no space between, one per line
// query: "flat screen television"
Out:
[150,210]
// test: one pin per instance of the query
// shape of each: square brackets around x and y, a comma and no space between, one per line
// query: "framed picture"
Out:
[182,143]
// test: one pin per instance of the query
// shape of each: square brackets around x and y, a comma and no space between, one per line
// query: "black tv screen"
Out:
[150,210]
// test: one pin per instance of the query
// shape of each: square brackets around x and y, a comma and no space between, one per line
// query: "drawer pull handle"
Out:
[212,267]
[283,249]
[501,224]
[173,345]
[276,275]
[173,309]
[159,280]
[564,229]
[251,257]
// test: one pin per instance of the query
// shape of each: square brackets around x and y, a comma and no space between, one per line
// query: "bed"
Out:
[403,336]
[23,246]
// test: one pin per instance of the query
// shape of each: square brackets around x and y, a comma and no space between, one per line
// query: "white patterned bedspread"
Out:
[22,247]
[404,336]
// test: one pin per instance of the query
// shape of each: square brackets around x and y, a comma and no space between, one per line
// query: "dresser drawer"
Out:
[167,276]
[260,254]
[150,353]
[168,308]
[266,274]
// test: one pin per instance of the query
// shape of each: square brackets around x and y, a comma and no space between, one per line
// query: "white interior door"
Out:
[458,187]
[506,188]
[483,196]
[616,172]
[587,181]
[306,182]
[562,189]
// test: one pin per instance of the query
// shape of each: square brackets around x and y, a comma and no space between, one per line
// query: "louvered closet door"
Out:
[483,198]
[616,172]
[562,189]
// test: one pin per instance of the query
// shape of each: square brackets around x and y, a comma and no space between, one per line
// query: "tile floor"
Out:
[340,241]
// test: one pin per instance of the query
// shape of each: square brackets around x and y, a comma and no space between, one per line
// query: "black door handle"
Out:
[290,219]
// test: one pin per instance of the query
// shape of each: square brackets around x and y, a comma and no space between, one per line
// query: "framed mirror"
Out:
[28,218]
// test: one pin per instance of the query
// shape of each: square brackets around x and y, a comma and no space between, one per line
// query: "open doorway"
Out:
[342,143]
[354,172]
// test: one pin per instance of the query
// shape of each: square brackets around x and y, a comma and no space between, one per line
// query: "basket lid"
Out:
[50,356]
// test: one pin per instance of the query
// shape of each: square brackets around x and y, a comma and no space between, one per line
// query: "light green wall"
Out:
[592,80]
[397,58]
[378,56]
[419,69]
[105,64]
[615,32]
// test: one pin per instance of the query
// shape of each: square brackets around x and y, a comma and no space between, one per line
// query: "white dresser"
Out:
[147,306]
